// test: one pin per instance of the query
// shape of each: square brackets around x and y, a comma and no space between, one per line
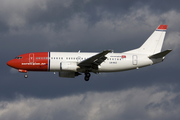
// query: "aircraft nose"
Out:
[10,63]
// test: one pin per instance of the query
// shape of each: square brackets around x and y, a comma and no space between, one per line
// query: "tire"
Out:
[26,76]
[86,78]
[88,74]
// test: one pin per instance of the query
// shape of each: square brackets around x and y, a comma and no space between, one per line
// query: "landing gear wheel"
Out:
[86,78]
[88,74]
[26,76]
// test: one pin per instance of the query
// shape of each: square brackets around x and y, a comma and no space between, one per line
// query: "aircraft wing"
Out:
[94,60]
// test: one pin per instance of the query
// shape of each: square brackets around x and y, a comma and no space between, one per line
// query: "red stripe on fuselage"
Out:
[32,61]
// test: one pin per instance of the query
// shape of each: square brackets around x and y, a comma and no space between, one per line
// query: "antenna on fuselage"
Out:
[79,51]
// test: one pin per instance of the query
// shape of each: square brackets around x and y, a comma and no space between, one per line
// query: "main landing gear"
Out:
[87,76]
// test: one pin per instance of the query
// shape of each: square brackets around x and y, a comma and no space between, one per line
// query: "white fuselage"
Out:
[115,61]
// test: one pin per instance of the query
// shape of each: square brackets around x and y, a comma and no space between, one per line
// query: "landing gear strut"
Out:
[87,76]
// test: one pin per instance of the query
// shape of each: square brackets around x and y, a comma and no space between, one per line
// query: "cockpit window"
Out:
[20,57]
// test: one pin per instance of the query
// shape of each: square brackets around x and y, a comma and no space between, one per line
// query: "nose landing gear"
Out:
[26,75]
[23,71]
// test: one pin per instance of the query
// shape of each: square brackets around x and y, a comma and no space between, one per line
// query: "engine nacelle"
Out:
[67,74]
[68,66]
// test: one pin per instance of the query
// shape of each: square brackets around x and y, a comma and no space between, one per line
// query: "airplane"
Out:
[72,64]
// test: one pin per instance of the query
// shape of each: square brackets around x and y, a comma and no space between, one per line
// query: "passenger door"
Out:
[31,57]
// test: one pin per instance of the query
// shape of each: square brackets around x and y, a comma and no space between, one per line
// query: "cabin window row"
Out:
[49,58]
[67,58]
[72,58]
[113,59]
[42,58]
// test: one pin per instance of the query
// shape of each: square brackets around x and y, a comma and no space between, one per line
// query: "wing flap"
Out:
[161,54]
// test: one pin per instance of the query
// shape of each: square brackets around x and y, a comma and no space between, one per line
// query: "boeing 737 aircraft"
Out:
[71,64]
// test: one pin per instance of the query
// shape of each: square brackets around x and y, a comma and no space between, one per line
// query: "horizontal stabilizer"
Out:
[161,54]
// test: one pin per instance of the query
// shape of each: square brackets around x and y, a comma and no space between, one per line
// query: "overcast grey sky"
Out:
[150,93]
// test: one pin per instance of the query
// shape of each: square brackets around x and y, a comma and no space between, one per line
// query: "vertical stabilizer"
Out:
[154,43]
